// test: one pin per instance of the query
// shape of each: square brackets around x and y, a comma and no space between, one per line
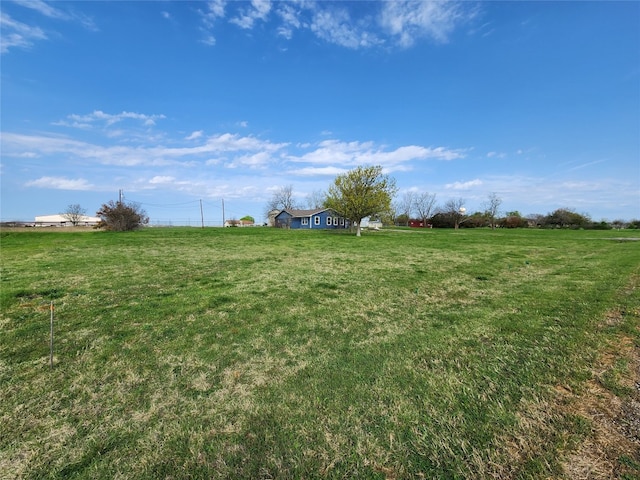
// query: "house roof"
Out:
[303,213]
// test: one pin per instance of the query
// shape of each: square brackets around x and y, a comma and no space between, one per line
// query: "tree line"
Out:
[366,192]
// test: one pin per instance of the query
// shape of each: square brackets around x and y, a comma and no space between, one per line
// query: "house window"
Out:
[305,221]
[316,220]
[328,220]
[342,222]
[335,221]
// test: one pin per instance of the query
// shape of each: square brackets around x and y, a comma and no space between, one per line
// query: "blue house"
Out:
[323,218]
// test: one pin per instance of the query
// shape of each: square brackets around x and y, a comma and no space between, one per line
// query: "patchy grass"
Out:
[260,353]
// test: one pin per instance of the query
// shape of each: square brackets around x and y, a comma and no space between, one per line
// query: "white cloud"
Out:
[256,160]
[259,10]
[290,20]
[100,118]
[407,21]
[367,153]
[161,179]
[17,34]
[166,15]
[60,183]
[14,33]
[318,171]
[352,25]
[194,135]
[209,17]
[42,145]
[43,8]
[335,25]
[214,11]
[208,40]
[464,185]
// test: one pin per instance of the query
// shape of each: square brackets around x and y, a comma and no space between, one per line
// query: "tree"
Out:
[424,205]
[74,213]
[281,199]
[316,199]
[491,208]
[566,218]
[514,220]
[248,218]
[405,207]
[454,208]
[121,216]
[360,193]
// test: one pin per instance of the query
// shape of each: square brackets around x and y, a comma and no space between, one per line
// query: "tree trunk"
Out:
[358,228]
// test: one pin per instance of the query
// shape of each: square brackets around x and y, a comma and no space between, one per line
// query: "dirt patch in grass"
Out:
[612,449]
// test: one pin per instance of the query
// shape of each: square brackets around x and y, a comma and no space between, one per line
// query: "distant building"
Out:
[417,223]
[238,223]
[61,221]
[271,220]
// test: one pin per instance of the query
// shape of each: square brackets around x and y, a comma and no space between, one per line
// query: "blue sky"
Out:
[177,102]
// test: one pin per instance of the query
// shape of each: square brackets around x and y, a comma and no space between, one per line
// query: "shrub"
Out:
[121,216]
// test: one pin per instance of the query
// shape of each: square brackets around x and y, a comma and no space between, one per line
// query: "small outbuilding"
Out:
[417,223]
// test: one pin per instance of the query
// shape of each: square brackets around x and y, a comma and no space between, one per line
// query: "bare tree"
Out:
[74,213]
[424,205]
[316,199]
[454,208]
[406,204]
[281,199]
[491,208]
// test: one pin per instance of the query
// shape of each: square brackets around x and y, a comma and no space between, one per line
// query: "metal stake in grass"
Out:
[51,338]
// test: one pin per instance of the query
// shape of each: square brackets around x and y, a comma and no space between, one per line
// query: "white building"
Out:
[61,221]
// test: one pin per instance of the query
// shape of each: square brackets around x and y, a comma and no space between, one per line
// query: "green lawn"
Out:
[262,353]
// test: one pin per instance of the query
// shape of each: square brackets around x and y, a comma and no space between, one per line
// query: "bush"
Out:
[121,217]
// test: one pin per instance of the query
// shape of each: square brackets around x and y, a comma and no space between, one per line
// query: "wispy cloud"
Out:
[407,21]
[17,34]
[318,171]
[61,183]
[345,24]
[107,119]
[367,153]
[259,10]
[585,165]
[17,145]
[335,25]
[463,185]
[214,11]
[194,135]
[290,17]
[228,150]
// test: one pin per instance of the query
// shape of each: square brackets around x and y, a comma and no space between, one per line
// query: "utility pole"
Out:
[120,196]
[223,212]
[201,214]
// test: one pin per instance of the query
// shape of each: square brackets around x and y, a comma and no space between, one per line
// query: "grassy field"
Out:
[262,353]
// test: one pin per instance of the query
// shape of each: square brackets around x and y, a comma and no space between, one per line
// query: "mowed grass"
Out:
[262,353]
